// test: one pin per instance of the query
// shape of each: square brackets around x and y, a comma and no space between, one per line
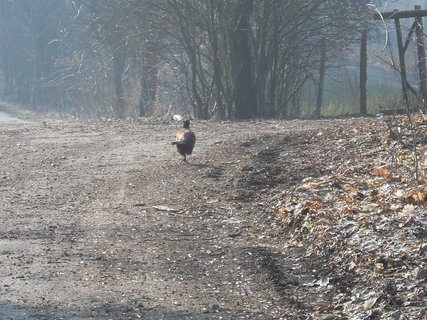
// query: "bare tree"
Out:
[224,59]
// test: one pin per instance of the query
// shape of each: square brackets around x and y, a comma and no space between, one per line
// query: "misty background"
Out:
[207,59]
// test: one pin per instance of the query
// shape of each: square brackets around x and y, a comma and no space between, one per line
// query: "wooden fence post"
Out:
[422,69]
[402,61]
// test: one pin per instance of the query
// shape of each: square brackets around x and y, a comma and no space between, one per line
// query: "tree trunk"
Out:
[217,79]
[363,73]
[118,69]
[244,90]
[321,83]
[148,79]
[274,74]
[296,103]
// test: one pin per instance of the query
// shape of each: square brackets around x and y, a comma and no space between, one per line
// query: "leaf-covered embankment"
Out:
[348,195]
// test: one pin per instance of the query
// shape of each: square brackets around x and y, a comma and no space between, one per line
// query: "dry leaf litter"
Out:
[364,216]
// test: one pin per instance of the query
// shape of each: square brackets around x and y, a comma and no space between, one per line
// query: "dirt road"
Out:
[101,220]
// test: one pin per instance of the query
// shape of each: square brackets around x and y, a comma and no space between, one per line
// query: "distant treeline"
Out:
[221,59]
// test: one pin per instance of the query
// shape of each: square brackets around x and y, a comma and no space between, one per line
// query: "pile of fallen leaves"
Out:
[364,217]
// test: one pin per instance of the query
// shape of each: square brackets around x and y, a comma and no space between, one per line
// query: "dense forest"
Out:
[211,59]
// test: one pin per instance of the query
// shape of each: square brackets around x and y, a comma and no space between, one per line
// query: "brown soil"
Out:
[102,220]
